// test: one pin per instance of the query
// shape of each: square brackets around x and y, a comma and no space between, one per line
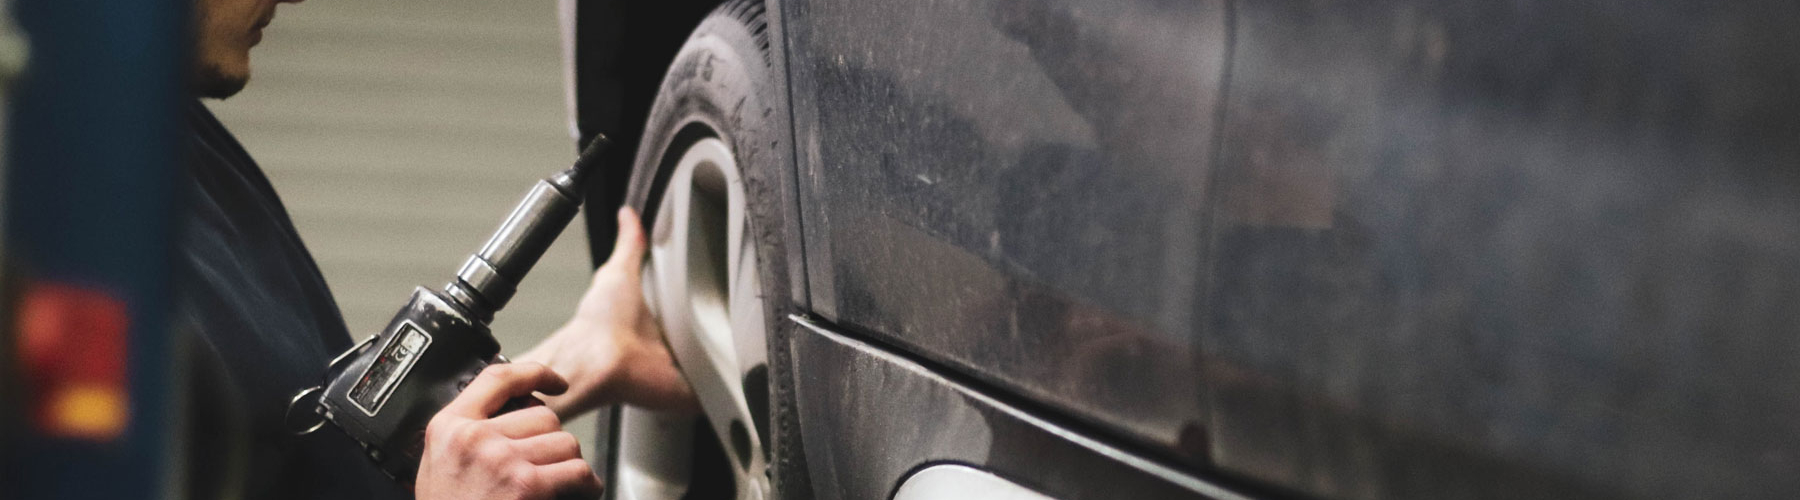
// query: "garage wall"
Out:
[400,132]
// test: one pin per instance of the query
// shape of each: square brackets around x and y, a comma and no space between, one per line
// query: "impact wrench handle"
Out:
[385,390]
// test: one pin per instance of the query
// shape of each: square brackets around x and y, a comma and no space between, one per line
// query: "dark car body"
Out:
[1199,248]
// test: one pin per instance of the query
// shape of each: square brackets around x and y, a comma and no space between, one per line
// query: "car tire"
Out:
[722,101]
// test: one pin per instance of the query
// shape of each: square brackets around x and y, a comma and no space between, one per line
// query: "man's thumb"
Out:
[629,248]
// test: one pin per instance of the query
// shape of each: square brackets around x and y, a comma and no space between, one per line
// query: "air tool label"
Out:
[379,381]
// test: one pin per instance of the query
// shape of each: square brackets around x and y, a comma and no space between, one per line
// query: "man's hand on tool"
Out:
[522,454]
[612,350]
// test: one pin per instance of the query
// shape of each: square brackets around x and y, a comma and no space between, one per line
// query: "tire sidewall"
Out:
[722,85]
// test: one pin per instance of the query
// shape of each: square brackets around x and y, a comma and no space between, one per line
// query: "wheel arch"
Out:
[620,53]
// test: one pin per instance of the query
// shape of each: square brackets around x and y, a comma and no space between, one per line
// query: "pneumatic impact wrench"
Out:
[383,391]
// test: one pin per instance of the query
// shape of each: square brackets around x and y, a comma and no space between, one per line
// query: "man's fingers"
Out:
[572,477]
[546,449]
[500,382]
[526,423]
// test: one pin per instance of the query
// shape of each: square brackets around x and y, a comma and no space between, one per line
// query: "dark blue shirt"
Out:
[265,325]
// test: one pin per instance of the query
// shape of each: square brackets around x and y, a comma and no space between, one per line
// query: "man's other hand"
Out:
[612,350]
[470,453]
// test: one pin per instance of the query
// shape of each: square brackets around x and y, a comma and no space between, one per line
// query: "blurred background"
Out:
[399,133]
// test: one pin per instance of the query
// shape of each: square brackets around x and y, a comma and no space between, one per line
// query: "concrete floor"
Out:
[399,133]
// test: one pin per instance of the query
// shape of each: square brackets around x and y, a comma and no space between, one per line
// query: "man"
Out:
[266,326]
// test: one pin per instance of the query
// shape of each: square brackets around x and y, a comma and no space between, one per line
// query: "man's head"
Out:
[224,31]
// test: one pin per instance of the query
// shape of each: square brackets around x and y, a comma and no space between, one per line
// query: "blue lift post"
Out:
[92,399]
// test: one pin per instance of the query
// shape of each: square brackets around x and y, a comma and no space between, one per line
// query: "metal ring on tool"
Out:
[299,425]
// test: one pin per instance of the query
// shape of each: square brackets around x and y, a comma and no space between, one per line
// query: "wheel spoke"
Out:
[658,463]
